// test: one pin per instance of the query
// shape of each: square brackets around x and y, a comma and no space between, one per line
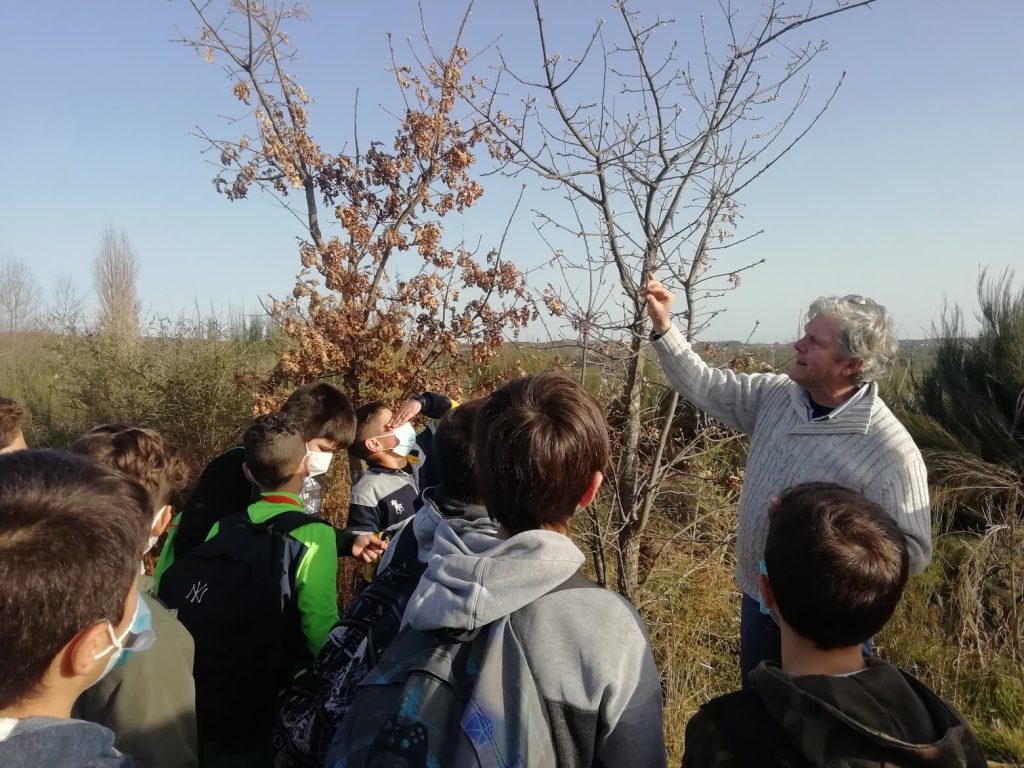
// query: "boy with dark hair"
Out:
[12,416]
[259,597]
[576,652]
[71,536]
[327,425]
[398,464]
[834,569]
[318,702]
[149,702]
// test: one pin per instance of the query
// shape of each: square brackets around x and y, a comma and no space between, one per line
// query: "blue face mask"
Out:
[762,568]
[138,637]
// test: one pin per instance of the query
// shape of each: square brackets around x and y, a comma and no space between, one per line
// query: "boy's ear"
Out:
[765,588]
[592,488]
[247,473]
[373,445]
[162,520]
[78,657]
[303,465]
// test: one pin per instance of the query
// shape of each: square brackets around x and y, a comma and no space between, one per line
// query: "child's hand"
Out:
[408,410]
[368,548]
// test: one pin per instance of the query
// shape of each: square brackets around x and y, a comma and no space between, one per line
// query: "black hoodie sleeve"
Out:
[433,405]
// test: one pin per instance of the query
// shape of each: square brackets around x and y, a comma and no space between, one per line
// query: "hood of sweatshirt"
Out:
[881,712]
[451,507]
[473,577]
[55,743]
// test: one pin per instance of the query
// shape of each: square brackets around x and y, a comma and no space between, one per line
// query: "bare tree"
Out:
[653,163]
[116,273]
[67,306]
[19,297]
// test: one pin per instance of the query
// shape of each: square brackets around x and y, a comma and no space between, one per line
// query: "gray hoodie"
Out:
[587,648]
[55,743]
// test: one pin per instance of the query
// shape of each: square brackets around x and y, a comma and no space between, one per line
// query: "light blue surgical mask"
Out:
[138,637]
[762,568]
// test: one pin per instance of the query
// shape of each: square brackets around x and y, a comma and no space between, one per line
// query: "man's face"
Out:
[321,444]
[818,361]
[17,444]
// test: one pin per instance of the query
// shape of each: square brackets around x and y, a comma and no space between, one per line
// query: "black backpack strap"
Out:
[286,522]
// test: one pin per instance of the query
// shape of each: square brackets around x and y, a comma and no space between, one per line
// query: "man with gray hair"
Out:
[824,421]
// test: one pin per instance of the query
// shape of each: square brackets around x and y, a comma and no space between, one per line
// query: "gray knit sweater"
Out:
[864,447]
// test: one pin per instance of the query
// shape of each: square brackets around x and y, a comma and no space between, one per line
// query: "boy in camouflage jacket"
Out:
[833,572]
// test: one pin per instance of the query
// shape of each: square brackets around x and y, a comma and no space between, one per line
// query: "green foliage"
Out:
[975,389]
[958,629]
[186,380]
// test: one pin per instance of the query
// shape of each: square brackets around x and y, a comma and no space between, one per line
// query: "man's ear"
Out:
[853,366]
[163,519]
[591,492]
[248,474]
[765,588]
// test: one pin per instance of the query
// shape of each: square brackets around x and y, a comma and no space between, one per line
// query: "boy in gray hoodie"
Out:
[72,533]
[541,445]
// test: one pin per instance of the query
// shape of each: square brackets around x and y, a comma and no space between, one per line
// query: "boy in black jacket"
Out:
[833,572]
[328,425]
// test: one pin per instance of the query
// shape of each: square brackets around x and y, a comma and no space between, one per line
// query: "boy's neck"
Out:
[388,460]
[293,486]
[53,701]
[801,656]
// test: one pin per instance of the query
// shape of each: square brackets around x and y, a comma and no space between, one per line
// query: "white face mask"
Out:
[319,462]
[154,539]
[406,436]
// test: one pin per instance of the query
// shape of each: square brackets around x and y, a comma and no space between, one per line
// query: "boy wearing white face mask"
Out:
[398,465]
[150,701]
[71,536]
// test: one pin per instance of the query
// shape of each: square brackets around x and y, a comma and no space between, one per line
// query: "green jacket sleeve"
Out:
[150,702]
[316,583]
[166,558]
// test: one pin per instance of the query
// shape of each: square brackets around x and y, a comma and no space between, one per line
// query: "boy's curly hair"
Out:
[139,452]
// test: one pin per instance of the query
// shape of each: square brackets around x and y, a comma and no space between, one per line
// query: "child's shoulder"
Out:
[35,741]
[378,482]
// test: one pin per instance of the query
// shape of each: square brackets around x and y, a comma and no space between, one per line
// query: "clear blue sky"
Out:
[908,184]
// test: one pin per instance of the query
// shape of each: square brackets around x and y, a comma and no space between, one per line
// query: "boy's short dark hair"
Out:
[364,428]
[141,453]
[274,448]
[837,564]
[453,452]
[322,410]
[537,442]
[12,416]
[72,532]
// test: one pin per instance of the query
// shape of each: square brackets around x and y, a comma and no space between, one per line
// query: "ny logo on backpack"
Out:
[234,594]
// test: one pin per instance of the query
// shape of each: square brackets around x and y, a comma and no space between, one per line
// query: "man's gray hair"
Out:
[865,331]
